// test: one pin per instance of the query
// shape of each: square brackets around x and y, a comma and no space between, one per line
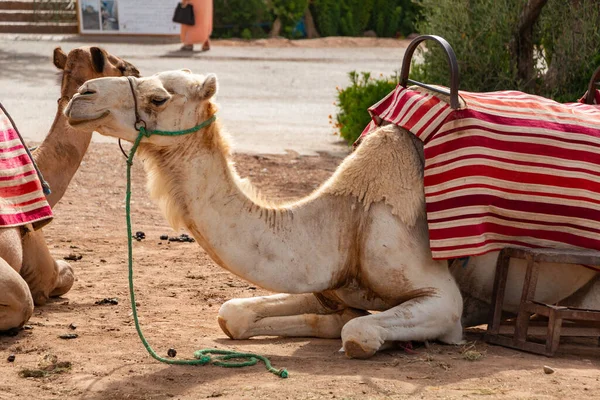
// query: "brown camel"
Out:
[28,273]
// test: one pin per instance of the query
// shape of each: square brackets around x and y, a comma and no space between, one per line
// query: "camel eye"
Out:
[159,102]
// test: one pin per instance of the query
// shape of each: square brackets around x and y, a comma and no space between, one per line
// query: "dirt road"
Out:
[274,95]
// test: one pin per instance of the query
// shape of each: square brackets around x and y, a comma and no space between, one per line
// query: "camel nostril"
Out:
[88,92]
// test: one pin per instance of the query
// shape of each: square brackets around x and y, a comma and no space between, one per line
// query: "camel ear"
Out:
[186,70]
[98,59]
[208,88]
[125,67]
[59,58]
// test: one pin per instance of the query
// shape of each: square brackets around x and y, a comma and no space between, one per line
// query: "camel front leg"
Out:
[289,315]
[419,319]
[45,276]
[16,304]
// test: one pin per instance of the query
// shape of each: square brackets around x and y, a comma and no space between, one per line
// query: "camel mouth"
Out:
[78,120]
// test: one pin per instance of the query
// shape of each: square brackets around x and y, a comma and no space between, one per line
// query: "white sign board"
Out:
[147,17]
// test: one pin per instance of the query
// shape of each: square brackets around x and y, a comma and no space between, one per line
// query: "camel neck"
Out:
[60,154]
[267,245]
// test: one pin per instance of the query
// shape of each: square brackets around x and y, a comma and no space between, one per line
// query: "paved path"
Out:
[271,99]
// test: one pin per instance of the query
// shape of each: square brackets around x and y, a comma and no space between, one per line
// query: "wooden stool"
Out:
[577,322]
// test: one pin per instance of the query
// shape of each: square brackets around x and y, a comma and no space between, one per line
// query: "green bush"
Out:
[570,37]
[355,16]
[387,18]
[289,13]
[241,18]
[327,15]
[253,18]
[391,18]
[566,37]
[354,100]
[479,32]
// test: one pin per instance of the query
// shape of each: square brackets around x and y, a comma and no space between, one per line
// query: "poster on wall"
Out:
[147,17]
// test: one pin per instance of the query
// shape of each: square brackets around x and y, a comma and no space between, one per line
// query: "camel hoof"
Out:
[223,324]
[66,278]
[354,349]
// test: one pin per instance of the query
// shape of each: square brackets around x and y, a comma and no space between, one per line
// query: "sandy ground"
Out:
[179,290]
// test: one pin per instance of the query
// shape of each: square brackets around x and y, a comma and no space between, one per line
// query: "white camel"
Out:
[357,244]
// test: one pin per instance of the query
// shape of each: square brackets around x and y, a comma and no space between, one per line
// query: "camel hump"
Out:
[386,167]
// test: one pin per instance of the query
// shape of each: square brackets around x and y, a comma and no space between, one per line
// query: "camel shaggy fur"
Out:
[28,273]
[351,260]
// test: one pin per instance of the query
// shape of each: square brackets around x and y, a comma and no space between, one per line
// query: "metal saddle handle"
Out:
[589,98]
[452,63]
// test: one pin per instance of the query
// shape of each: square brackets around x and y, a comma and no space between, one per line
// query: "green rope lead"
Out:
[202,356]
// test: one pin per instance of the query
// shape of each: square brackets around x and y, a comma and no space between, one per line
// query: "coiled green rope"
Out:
[202,357]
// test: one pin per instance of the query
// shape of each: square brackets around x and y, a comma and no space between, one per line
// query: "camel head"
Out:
[85,63]
[167,101]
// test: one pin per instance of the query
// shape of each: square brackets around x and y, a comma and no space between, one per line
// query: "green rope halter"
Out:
[202,357]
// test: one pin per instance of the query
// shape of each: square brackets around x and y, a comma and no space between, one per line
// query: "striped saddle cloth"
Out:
[22,200]
[507,169]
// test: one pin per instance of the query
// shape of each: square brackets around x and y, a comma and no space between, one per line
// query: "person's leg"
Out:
[187,46]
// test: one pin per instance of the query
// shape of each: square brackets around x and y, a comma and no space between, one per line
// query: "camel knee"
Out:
[361,339]
[16,303]
[454,335]
[235,319]
[65,280]
[15,314]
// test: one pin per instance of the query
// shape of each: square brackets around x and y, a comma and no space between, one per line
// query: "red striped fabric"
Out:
[507,169]
[22,200]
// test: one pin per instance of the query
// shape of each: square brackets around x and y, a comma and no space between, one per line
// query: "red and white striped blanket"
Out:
[22,200]
[508,169]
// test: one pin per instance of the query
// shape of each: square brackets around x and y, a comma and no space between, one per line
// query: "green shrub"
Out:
[241,18]
[253,18]
[391,18]
[387,18]
[354,100]
[355,16]
[566,37]
[289,13]
[479,32]
[570,37]
[327,15]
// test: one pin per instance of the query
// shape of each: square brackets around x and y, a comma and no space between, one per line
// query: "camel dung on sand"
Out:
[357,244]
[28,273]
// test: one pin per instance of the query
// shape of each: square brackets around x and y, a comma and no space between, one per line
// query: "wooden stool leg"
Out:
[498,293]
[553,335]
[529,286]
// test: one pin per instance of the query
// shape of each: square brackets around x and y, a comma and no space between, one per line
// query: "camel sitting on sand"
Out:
[360,242]
[28,273]
[357,244]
